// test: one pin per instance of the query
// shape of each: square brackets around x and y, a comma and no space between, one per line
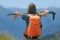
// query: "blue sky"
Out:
[25,3]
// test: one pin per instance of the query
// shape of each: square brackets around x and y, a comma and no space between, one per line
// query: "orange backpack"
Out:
[34,26]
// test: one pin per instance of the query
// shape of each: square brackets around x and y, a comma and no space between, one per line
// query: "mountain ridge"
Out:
[7,22]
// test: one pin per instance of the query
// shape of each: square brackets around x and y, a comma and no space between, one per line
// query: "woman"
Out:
[32,19]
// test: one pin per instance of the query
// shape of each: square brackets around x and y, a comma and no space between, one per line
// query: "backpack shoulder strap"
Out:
[40,17]
[39,14]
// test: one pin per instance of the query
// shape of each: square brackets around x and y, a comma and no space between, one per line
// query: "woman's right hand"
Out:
[14,16]
[17,14]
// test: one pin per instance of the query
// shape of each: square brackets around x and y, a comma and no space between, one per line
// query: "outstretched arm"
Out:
[45,12]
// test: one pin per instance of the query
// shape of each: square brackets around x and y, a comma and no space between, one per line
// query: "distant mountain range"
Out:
[17,27]
[55,36]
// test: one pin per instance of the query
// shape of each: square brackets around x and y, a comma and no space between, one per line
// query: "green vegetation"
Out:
[6,37]
[49,37]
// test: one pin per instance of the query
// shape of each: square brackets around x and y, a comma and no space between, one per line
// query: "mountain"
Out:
[17,27]
[8,25]
[51,26]
[55,36]
[17,9]
[3,21]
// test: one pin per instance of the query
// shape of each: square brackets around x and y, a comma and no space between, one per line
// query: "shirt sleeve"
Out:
[25,17]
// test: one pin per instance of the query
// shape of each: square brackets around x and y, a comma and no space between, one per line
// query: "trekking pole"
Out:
[11,14]
[53,13]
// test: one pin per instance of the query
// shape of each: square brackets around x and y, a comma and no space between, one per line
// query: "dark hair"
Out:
[32,9]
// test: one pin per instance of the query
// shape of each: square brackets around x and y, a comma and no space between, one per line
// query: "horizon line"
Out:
[27,8]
